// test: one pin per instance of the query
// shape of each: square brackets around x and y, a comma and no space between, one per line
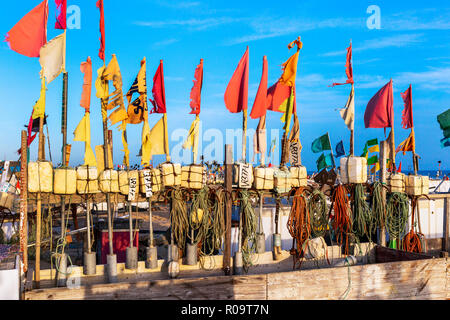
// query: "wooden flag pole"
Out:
[244,136]
[41,157]
[64,145]
[23,201]
[352,131]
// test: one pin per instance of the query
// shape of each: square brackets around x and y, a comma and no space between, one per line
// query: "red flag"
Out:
[277,95]
[379,111]
[407,115]
[197,89]
[30,138]
[30,33]
[86,69]
[61,13]
[259,108]
[399,170]
[348,68]
[236,95]
[101,52]
[159,93]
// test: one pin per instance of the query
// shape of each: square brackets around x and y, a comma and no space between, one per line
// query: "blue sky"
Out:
[412,46]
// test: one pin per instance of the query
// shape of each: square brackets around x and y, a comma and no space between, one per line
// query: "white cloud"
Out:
[165,42]
[196,24]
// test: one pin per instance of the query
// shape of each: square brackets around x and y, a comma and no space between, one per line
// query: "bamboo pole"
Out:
[228,208]
[41,157]
[383,156]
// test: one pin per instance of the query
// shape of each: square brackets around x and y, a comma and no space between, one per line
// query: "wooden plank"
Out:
[223,288]
[383,254]
[381,281]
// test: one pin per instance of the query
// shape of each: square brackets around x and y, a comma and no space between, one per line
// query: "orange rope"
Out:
[411,241]
[341,221]
[299,225]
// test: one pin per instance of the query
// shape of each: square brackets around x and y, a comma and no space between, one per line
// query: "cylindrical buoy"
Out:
[237,263]
[152,258]
[191,254]
[260,243]
[62,270]
[172,253]
[111,266]
[173,269]
[89,265]
[131,258]
[276,246]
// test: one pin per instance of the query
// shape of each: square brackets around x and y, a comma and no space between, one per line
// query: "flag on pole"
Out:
[399,170]
[372,160]
[192,138]
[348,68]
[86,69]
[53,57]
[408,145]
[379,111]
[259,108]
[158,91]
[277,96]
[236,94]
[39,107]
[30,33]
[407,115]
[61,14]
[348,112]
[320,144]
[196,90]
[83,133]
[137,110]
[101,52]
[340,151]
[324,161]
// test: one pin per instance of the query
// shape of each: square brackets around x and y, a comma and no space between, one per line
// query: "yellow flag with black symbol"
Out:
[101,86]
[83,133]
[39,107]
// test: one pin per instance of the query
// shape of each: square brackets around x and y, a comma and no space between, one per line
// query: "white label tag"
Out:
[245,178]
[148,183]
[132,189]
[294,153]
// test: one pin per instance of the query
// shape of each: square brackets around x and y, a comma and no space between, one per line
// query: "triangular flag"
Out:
[259,108]
[39,107]
[277,97]
[379,111]
[320,144]
[408,145]
[407,114]
[101,52]
[61,14]
[30,33]
[192,138]
[158,91]
[236,94]
[83,133]
[158,138]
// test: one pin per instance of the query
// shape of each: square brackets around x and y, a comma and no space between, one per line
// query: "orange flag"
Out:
[259,108]
[277,95]
[408,145]
[197,89]
[30,33]
[86,68]
[236,95]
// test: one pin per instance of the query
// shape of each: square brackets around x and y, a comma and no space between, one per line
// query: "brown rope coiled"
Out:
[299,225]
[411,241]
[341,221]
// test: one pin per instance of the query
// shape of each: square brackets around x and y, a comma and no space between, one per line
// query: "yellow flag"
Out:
[408,145]
[287,107]
[83,133]
[192,139]
[146,145]
[158,137]
[126,158]
[39,107]
[374,149]
[120,114]
[290,70]
[99,151]
[100,85]
[375,168]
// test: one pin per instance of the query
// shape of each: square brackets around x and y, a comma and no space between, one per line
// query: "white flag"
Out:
[53,57]
[348,113]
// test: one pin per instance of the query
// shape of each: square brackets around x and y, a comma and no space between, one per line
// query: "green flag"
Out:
[324,161]
[321,144]
[372,160]
[372,142]
[365,153]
